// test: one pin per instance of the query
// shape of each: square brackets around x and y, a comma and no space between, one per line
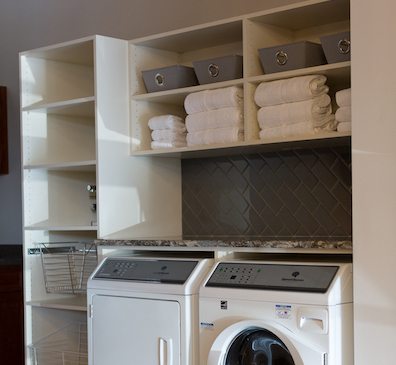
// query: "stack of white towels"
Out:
[214,116]
[295,106]
[168,131]
[343,114]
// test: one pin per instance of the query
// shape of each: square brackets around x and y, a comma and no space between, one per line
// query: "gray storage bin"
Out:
[291,56]
[337,47]
[167,78]
[219,69]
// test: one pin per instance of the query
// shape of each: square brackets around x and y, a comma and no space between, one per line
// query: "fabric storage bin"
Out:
[337,47]
[291,56]
[167,78]
[219,69]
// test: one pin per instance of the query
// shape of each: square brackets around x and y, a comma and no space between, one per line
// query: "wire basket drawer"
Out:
[68,346]
[67,266]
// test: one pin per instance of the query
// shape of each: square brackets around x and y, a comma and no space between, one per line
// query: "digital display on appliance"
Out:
[161,271]
[305,278]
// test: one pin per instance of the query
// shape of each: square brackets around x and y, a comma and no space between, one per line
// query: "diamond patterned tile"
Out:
[294,194]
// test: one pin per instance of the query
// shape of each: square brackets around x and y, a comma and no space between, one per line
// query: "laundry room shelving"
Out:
[75,133]
[244,35]
[84,114]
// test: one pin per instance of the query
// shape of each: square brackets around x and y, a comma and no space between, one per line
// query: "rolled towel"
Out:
[155,145]
[344,114]
[287,130]
[316,109]
[219,118]
[343,97]
[217,135]
[344,127]
[213,99]
[330,124]
[290,90]
[168,135]
[167,122]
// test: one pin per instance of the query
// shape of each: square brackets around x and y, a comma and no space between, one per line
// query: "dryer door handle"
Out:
[165,351]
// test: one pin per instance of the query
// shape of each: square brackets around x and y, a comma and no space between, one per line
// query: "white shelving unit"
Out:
[308,20]
[75,132]
[84,114]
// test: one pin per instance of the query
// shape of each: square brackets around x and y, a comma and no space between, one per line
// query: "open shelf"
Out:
[177,96]
[65,166]
[76,107]
[75,303]
[316,140]
[47,226]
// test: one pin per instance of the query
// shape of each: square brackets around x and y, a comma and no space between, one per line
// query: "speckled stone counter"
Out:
[219,244]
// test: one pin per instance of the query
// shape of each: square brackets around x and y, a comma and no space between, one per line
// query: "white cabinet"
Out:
[242,35]
[75,133]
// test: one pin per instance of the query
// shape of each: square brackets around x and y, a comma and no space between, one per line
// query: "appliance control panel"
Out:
[290,277]
[146,270]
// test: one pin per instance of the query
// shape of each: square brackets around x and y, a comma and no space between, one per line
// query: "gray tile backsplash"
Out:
[294,194]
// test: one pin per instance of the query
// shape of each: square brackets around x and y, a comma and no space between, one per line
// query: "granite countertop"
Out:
[218,244]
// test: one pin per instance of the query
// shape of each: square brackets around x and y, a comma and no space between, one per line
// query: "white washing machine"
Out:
[144,311]
[277,313]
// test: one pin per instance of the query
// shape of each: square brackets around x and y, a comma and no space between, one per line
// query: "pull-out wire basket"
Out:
[67,266]
[68,346]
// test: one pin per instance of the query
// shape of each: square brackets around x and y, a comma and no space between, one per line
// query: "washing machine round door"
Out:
[262,343]
[260,347]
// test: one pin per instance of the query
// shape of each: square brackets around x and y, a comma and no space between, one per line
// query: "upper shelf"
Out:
[336,73]
[298,16]
[307,14]
[78,52]
[316,140]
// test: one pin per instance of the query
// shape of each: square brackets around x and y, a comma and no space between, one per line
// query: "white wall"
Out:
[374,179]
[28,24]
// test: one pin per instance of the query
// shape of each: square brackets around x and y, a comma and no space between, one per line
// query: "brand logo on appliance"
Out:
[224,304]
[295,277]
[207,325]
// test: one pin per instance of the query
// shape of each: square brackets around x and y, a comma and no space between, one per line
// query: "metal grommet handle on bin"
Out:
[213,70]
[344,46]
[281,58]
[159,79]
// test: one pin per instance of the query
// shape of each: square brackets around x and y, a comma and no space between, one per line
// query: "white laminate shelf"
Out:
[77,303]
[56,227]
[89,165]
[318,139]
[333,71]
[177,96]
[73,107]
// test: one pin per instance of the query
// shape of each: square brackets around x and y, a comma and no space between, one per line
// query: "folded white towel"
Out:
[217,135]
[344,127]
[219,118]
[343,97]
[316,109]
[287,130]
[168,135]
[297,129]
[167,122]
[159,144]
[213,99]
[344,114]
[290,90]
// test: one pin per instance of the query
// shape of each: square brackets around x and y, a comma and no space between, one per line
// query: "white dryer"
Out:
[144,311]
[277,313]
